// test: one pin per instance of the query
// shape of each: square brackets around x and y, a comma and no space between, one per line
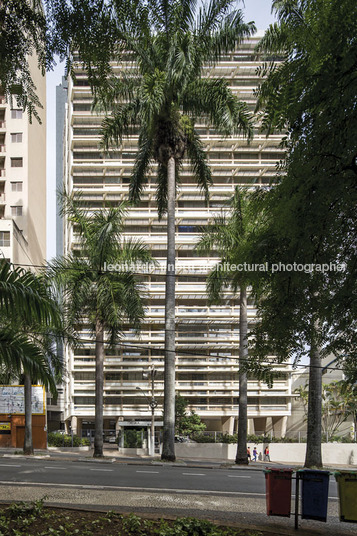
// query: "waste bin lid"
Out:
[313,472]
[345,473]
[281,469]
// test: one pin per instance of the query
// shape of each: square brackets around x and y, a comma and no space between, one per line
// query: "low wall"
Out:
[332,453]
[70,449]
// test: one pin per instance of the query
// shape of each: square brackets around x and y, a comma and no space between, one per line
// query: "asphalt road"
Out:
[235,496]
[173,478]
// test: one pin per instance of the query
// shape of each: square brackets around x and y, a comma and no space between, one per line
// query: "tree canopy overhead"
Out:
[23,33]
[312,216]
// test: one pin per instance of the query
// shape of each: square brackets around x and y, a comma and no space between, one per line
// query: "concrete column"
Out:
[279,426]
[66,426]
[228,425]
[74,424]
[117,426]
[251,429]
[79,427]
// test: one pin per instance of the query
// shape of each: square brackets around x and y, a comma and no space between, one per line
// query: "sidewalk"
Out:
[114,456]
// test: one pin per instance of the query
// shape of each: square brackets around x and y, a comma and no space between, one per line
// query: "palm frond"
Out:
[18,352]
[215,99]
[122,123]
[141,167]
[198,158]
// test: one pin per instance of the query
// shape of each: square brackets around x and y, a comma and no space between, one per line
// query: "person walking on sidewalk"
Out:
[266,454]
[255,454]
[248,454]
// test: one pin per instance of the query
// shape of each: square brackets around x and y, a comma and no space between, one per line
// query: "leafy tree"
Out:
[108,299]
[159,94]
[31,321]
[23,35]
[186,424]
[311,217]
[339,401]
[229,235]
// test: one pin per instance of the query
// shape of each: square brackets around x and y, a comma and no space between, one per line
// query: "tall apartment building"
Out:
[207,337]
[23,179]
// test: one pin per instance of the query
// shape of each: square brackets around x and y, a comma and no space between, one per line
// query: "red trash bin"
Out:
[278,491]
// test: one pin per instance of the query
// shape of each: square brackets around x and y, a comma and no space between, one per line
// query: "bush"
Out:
[60,440]
[202,438]
[132,439]
[227,438]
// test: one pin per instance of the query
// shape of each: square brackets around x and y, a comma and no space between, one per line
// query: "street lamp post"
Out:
[153,404]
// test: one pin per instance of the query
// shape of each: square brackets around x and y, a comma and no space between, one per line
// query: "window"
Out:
[16,114]
[16,186]
[5,238]
[16,210]
[16,162]
[16,137]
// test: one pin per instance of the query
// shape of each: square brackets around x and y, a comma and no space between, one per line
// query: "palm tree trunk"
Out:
[28,445]
[313,446]
[99,386]
[241,456]
[168,447]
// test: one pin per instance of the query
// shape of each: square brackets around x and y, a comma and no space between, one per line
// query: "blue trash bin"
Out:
[314,494]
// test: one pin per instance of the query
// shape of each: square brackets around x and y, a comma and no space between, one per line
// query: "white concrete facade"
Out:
[23,179]
[207,338]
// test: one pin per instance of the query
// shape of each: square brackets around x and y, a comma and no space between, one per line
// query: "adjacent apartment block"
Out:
[23,180]
[207,337]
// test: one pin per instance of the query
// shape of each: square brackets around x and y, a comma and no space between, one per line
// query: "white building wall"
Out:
[207,338]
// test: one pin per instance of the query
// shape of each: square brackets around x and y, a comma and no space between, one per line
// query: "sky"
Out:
[258,11]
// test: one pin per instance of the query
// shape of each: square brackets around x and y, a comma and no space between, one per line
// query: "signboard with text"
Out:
[12,400]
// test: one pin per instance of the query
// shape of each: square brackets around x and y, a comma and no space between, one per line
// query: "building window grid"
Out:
[16,137]
[245,177]
[16,186]
[16,210]
[5,239]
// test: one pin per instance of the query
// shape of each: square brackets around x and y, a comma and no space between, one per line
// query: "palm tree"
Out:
[30,321]
[229,235]
[161,93]
[108,299]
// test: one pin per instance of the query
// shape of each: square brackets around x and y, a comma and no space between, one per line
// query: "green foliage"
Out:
[23,34]
[133,439]
[230,235]
[89,286]
[31,321]
[339,401]
[160,92]
[311,216]
[32,519]
[64,440]
[186,424]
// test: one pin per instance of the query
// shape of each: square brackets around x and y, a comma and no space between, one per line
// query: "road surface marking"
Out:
[9,465]
[194,474]
[238,476]
[156,472]
[107,470]
[54,467]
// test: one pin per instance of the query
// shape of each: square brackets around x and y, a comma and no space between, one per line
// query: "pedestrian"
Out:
[248,454]
[255,454]
[266,454]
